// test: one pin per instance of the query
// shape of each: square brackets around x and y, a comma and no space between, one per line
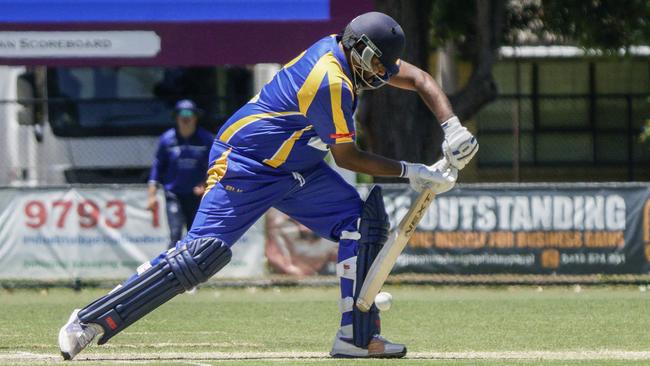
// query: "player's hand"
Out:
[152,202]
[460,145]
[439,177]
[449,172]
[199,190]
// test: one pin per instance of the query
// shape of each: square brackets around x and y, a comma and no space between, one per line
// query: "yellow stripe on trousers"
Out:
[217,171]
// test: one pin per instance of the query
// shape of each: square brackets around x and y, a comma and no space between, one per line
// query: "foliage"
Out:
[607,25]
[602,24]
[477,28]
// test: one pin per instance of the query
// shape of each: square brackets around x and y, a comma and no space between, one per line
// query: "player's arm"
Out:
[460,145]
[331,114]
[413,78]
[157,169]
[438,176]
[348,156]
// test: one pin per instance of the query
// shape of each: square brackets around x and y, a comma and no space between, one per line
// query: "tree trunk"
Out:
[396,123]
[481,88]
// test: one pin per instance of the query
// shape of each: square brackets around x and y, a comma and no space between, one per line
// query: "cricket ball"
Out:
[383,300]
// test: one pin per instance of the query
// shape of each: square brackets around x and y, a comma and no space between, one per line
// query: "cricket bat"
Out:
[383,264]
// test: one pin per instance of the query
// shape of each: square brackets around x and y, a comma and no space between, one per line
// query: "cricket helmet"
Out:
[373,34]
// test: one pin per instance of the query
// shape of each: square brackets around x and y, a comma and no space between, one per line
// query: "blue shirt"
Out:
[181,164]
[307,106]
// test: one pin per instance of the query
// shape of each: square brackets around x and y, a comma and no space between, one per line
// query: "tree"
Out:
[607,25]
[394,122]
[413,135]
[478,28]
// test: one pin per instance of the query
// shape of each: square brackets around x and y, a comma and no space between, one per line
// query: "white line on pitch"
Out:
[197,357]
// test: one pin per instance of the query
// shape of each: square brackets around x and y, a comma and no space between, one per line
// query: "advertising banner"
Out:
[559,228]
[247,255]
[105,233]
[481,229]
[94,233]
[78,232]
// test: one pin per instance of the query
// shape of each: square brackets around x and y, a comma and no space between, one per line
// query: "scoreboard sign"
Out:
[166,33]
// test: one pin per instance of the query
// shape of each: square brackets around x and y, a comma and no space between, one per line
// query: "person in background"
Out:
[180,167]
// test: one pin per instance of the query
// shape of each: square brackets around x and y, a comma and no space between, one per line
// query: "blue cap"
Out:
[185,104]
[186,108]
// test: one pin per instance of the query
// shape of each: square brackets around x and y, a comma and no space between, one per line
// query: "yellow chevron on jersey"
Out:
[326,65]
[281,155]
[241,123]
[290,63]
[309,103]
[337,112]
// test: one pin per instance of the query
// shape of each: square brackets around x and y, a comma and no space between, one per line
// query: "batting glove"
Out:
[439,177]
[460,145]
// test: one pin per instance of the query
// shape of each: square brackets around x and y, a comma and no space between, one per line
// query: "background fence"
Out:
[573,130]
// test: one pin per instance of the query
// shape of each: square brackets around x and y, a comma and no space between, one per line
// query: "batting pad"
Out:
[373,227]
[179,270]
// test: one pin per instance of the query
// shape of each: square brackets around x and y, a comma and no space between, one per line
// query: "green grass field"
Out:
[295,326]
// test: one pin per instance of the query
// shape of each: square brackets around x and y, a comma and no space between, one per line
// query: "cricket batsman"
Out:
[270,154]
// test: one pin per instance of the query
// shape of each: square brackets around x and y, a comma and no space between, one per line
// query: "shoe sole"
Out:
[384,355]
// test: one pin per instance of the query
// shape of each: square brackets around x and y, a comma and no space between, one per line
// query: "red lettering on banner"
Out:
[119,214]
[88,214]
[65,209]
[36,214]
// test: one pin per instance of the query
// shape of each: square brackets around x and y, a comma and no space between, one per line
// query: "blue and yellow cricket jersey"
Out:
[181,163]
[306,107]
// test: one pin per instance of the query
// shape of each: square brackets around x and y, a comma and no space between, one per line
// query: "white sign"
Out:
[129,44]
[78,233]
[96,233]
[248,258]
